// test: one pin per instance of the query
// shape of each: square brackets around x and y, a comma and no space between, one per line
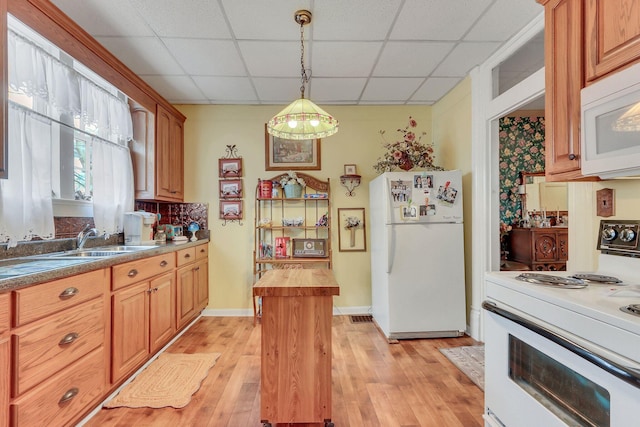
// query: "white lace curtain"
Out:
[57,89]
[26,209]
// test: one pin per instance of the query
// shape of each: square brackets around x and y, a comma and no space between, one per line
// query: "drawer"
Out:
[135,271]
[185,256]
[5,307]
[42,300]
[46,347]
[202,252]
[63,397]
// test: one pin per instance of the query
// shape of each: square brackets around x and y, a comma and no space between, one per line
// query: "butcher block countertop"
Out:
[297,282]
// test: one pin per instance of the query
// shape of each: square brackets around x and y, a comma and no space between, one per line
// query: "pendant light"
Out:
[302,119]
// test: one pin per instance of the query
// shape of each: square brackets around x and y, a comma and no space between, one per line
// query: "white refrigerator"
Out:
[417,254]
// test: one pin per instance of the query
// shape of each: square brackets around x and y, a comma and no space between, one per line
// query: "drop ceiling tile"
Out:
[105,18]
[411,59]
[390,89]
[353,20]
[503,20]
[336,90]
[193,18]
[277,90]
[175,88]
[436,19]
[226,89]
[271,59]
[464,57]
[143,55]
[206,57]
[336,59]
[265,20]
[434,89]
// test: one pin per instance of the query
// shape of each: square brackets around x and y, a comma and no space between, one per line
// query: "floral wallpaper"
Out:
[521,149]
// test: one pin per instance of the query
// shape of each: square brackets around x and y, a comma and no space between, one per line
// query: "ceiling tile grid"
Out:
[248,52]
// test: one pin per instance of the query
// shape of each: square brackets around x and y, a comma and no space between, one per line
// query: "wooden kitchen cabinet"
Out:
[542,249]
[5,358]
[612,36]
[58,351]
[563,34]
[192,283]
[157,150]
[169,156]
[143,322]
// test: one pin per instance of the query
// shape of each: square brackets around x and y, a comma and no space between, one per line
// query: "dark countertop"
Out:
[83,266]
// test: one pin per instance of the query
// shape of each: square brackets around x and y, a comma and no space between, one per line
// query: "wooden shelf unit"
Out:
[310,209]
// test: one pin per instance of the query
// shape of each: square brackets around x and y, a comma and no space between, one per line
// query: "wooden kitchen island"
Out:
[297,310]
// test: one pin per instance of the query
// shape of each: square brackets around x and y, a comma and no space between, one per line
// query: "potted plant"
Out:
[292,185]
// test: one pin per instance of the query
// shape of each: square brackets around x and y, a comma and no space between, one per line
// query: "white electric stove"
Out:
[563,347]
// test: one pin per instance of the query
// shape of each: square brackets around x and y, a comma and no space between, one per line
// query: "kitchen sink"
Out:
[100,252]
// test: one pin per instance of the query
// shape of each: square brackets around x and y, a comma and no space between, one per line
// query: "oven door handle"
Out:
[625,373]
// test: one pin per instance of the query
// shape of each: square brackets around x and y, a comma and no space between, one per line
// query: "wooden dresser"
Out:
[297,308]
[542,249]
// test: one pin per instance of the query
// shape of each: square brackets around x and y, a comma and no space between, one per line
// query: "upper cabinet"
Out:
[563,76]
[169,156]
[612,36]
[585,40]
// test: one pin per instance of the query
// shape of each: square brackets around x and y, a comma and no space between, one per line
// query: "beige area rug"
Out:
[470,360]
[170,380]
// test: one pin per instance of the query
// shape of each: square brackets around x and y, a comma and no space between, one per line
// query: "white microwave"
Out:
[610,128]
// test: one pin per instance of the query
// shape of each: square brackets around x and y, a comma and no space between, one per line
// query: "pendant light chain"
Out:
[303,72]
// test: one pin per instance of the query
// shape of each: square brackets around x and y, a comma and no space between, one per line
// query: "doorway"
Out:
[489,104]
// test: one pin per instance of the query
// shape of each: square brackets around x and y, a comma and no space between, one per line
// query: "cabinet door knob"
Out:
[132,273]
[68,293]
[163,263]
[572,156]
[69,394]
[69,338]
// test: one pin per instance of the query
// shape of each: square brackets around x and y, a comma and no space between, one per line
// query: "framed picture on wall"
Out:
[352,234]
[230,168]
[230,189]
[230,209]
[287,154]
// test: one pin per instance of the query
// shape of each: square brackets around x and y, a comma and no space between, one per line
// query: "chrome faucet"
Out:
[84,234]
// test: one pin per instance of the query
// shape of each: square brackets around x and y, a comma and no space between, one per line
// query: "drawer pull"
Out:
[69,338]
[132,273]
[163,263]
[202,251]
[187,255]
[69,394]
[69,293]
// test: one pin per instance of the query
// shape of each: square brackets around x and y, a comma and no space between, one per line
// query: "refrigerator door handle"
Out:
[391,247]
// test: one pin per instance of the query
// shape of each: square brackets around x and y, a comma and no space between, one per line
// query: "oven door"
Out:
[535,376]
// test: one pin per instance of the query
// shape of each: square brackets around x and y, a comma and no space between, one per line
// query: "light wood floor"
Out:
[374,383]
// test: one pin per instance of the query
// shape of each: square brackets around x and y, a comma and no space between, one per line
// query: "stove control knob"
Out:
[627,235]
[609,234]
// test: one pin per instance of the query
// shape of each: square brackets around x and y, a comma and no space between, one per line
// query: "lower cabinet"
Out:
[192,283]
[5,360]
[62,397]
[57,349]
[143,321]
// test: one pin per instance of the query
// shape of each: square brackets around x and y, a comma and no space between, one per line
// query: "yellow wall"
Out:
[451,118]
[209,128]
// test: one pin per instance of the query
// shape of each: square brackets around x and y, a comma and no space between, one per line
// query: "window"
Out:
[74,125]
